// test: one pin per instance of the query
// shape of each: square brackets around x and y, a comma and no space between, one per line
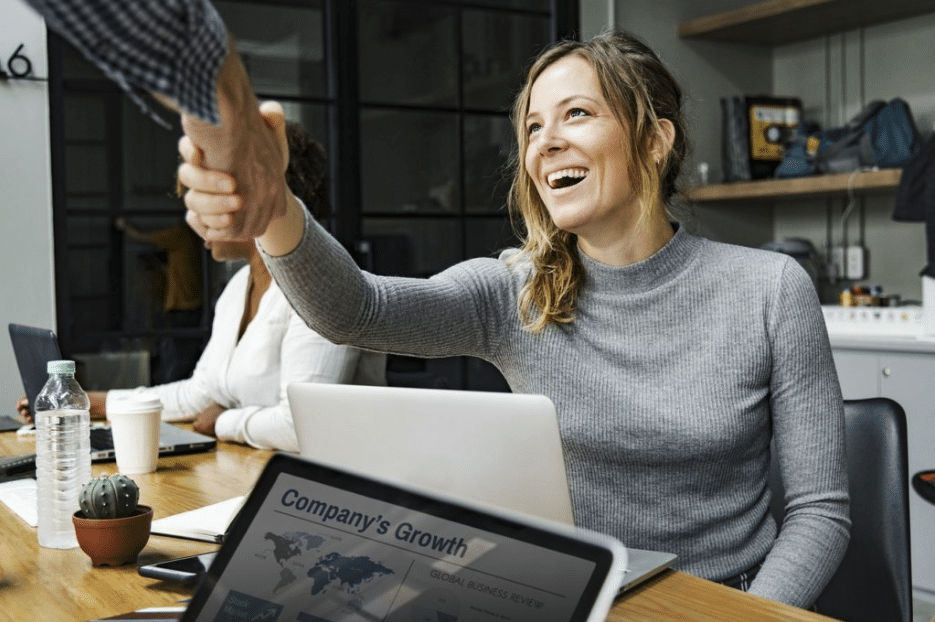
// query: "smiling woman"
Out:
[610,112]
[668,391]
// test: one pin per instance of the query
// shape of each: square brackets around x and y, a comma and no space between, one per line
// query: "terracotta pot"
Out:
[113,541]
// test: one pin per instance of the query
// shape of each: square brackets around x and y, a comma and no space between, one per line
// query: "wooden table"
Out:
[48,584]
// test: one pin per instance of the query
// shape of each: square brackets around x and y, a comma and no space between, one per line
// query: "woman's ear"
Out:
[663,140]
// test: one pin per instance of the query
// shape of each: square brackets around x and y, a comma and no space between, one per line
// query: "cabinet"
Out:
[905,377]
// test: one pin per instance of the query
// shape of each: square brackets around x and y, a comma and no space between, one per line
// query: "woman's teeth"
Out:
[566,177]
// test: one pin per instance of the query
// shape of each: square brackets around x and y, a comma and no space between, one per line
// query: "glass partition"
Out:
[410,99]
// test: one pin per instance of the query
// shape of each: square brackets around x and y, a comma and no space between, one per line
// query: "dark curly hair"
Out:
[307,173]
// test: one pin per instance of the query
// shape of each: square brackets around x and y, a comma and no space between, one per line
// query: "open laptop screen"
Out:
[316,544]
[34,348]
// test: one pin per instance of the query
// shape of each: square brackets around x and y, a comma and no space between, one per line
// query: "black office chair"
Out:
[874,580]
[411,372]
[416,380]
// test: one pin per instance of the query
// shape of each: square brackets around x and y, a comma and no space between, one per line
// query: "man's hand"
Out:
[205,420]
[212,194]
[250,147]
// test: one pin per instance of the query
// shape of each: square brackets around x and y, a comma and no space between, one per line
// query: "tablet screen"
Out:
[317,552]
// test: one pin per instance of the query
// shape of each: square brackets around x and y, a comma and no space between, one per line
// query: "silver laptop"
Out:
[498,449]
[34,347]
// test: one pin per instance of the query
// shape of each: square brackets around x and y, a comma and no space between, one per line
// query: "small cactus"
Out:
[109,496]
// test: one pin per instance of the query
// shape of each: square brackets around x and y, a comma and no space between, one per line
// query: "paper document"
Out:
[20,496]
[209,523]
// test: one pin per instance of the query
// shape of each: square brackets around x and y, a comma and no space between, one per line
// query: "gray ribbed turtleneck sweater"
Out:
[668,386]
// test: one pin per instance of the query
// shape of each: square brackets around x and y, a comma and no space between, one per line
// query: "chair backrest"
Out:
[874,580]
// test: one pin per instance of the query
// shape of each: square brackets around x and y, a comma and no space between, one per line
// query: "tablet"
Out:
[314,543]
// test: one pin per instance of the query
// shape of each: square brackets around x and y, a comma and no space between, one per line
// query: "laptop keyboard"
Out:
[16,465]
[101,439]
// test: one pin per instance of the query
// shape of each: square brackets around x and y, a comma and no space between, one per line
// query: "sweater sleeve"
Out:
[808,432]
[460,311]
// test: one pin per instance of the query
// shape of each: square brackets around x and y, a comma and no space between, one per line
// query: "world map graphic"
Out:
[299,555]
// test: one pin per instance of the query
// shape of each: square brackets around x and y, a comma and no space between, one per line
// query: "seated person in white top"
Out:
[258,344]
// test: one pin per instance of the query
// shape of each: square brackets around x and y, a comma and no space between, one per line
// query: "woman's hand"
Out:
[22,407]
[205,420]
[97,399]
[98,407]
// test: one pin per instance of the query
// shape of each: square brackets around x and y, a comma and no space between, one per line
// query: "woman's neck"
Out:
[259,282]
[260,277]
[638,242]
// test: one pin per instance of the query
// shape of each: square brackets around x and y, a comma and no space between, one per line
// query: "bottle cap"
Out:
[60,367]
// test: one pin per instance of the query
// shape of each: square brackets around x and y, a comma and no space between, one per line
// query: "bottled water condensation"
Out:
[63,454]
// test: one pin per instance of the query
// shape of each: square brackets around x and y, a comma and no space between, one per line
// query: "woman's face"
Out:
[578,153]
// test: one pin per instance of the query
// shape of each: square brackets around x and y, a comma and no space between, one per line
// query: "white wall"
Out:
[26,260]
[595,16]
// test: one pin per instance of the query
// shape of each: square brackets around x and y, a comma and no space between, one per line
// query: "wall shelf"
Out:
[815,187]
[776,22]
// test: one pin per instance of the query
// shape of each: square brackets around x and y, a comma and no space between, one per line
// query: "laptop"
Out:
[502,450]
[314,543]
[34,347]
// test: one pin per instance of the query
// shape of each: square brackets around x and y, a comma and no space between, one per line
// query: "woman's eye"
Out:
[577,112]
[533,127]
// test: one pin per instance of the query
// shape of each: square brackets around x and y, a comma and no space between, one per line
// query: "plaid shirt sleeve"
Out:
[172,47]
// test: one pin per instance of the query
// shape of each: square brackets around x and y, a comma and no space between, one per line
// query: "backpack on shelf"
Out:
[882,135]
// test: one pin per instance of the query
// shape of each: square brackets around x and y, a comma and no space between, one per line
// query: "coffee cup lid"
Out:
[137,401]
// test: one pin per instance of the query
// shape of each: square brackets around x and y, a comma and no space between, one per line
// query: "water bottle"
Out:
[63,454]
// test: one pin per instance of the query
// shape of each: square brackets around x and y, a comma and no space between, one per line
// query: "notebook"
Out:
[314,544]
[209,523]
[499,449]
[34,347]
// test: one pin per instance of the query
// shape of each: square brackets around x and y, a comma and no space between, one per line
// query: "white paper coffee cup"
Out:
[134,422]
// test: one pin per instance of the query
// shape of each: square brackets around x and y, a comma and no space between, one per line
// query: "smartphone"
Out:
[183,569]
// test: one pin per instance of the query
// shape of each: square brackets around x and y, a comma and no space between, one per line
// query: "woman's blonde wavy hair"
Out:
[640,91]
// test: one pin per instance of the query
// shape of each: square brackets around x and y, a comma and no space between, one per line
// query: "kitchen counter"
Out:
[890,329]
[850,341]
